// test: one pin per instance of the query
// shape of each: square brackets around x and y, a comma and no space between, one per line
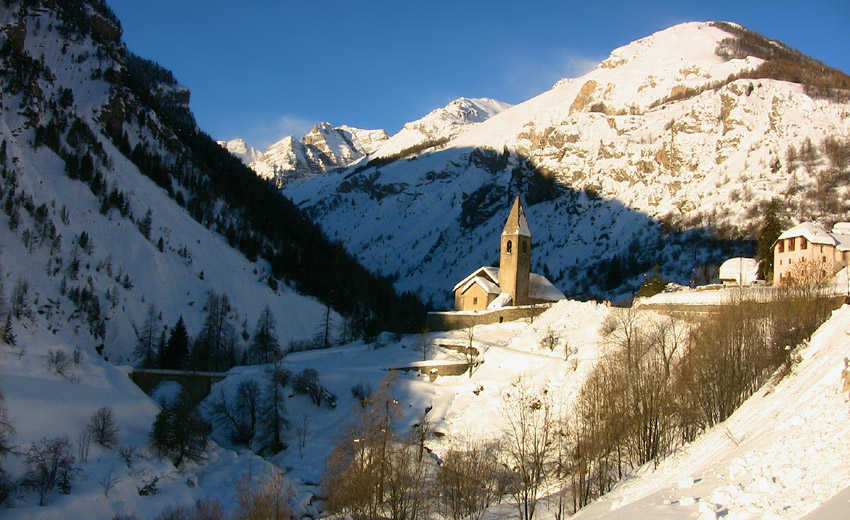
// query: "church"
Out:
[512,283]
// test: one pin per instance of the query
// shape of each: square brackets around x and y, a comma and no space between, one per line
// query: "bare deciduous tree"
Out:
[49,464]
[372,473]
[528,444]
[466,481]
[103,428]
[268,499]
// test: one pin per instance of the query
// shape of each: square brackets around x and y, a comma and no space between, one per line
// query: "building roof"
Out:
[740,269]
[839,237]
[517,224]
[483,282]
[491,273]
[811,231]
[539,287]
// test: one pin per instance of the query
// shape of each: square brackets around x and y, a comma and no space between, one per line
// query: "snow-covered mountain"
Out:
[324,148]
[327,147]
[245,152]
[693,128]
[440,125]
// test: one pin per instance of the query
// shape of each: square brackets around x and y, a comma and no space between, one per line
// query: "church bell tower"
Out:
[515,257]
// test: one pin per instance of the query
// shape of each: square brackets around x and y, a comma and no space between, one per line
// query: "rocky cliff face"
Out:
[665,154]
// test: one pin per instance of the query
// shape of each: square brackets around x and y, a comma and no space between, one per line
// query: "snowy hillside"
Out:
[660,137]
[441,124]
[45,405]
[173,268]
[782,455]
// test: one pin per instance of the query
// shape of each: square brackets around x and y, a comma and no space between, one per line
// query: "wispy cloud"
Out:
[528,76]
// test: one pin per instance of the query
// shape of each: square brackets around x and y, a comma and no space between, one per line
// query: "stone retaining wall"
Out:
[454,320]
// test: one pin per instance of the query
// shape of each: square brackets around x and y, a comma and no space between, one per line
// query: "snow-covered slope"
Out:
[173,268]
[782,455]
[659,137]
[88,243]
[42,404]
[441,124]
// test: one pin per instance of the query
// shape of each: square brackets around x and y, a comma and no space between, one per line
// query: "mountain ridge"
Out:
[327,148]
[666,127]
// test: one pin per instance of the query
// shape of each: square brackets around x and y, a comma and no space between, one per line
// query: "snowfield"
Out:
[782,455]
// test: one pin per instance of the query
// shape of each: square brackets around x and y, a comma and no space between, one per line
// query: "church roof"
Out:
[488,286]
[490,273]
[517,223]
[539,287]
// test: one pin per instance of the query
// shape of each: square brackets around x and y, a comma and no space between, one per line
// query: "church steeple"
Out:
[515,257]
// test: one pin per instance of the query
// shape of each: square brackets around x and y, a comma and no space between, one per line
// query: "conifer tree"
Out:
[147,336]
[265,346]
[770,231]
[7,335]
[272,420]
[215,347]
[173,356]
[146,223]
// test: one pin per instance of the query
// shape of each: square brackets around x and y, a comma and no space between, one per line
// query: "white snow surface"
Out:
[812,231]
[782,455]
[449,121]
[45,405]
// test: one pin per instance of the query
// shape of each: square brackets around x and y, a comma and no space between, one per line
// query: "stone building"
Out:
[808,243]
[512,283]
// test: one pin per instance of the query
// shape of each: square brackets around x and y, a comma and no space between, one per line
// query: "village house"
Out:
[828,252]
[512,283]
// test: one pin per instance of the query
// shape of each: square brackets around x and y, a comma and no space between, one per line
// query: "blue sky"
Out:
[263,69]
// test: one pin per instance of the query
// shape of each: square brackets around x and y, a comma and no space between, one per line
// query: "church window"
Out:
[509,247]
[475,300]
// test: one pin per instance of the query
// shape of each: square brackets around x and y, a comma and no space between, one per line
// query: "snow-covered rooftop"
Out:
[539,287]
[740,269]
[811,231]
[485,283]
